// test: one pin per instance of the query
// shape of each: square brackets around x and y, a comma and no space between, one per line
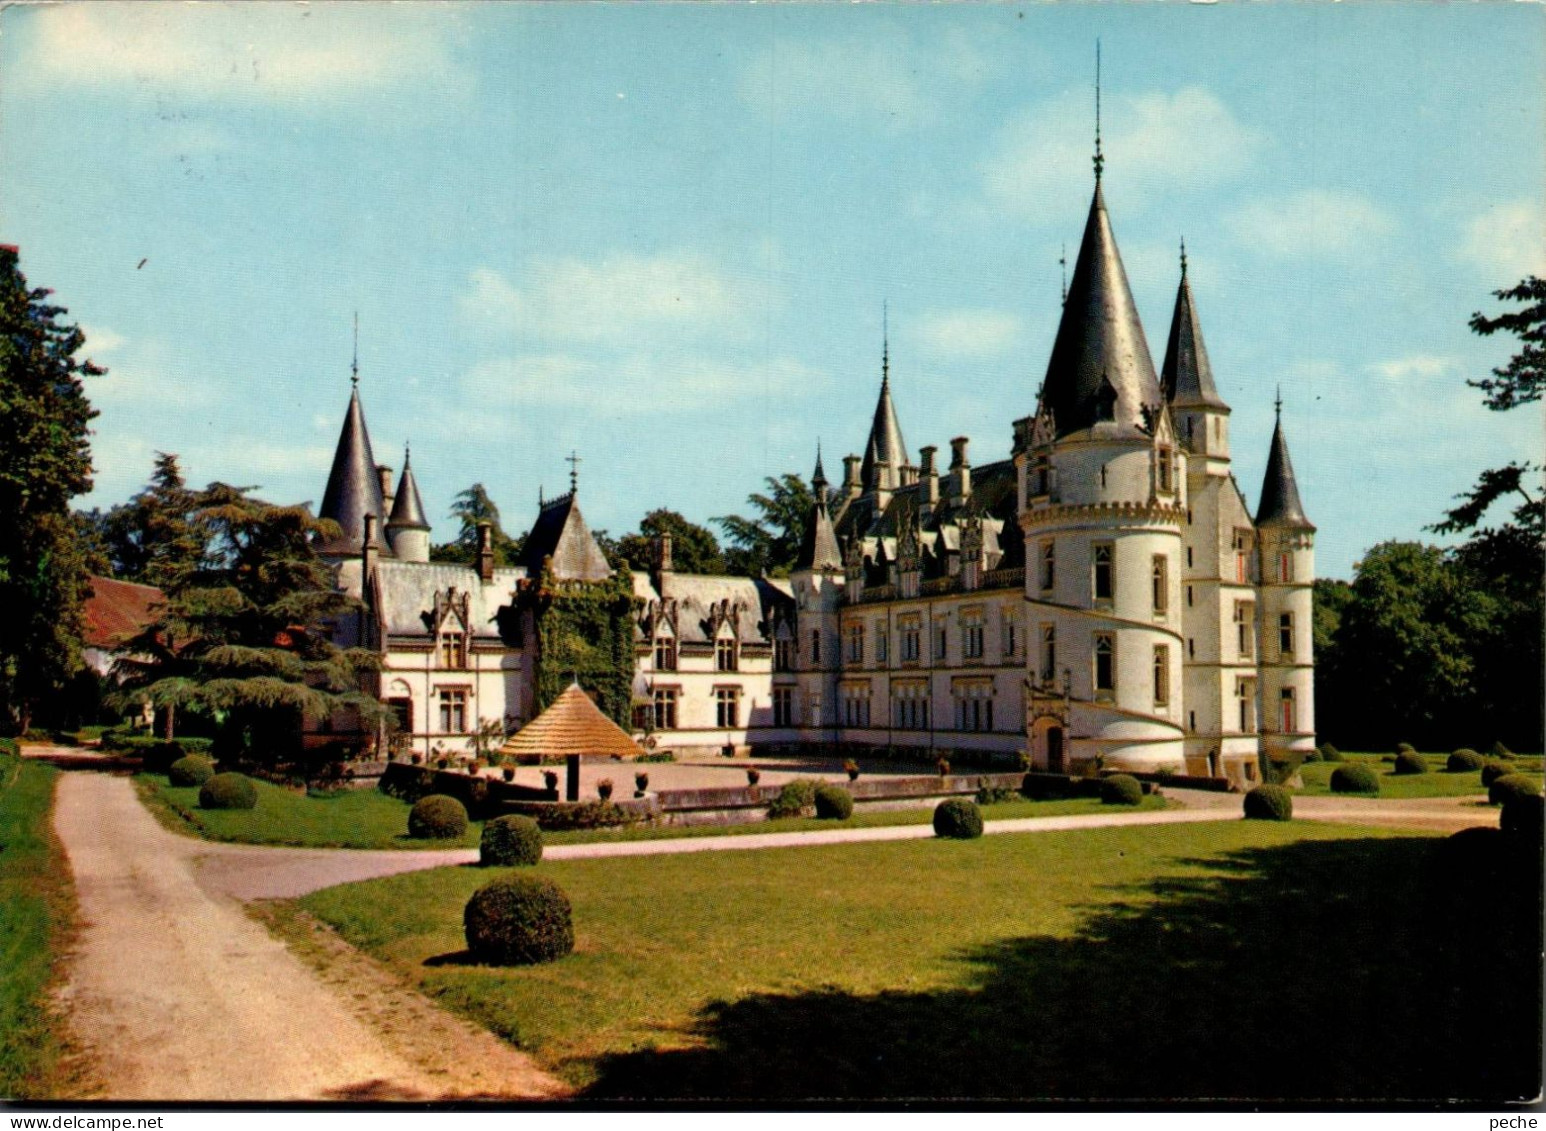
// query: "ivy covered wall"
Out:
[584,631]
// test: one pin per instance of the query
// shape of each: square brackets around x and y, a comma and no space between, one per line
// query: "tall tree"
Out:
[245,640]
[158,537]
[471,507]
[694,549]
[770,542]
[45,460]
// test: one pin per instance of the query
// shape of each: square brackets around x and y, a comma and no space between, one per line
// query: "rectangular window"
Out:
[453,710]
[1245,629]
[910,642]
[1286,635]
[816,647]
[1159,577]
[1191,721]
[725,655]
[1289,715]
[971,636]
[783,655]
[665,708]
[727,707]
[783,706]
[1166,469]
[974,707]
[813,708]
[1049,653]
[1105,664]
[1191,648]
[1189,596]
[1104,582]
[856,644]
[1162,675]
[1048,565]
[453,650]
[1188,555]
[665,653]
[1245,700]
[882,643]
[856,705]
[1007,636]
[910,706]
[940,644]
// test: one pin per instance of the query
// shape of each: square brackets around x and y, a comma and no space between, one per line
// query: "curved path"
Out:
[176,994]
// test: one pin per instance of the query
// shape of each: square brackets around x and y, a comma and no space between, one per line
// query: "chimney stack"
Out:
[663,554]
[384,475]
[368,551]
[486,551]
[960,471]
[928,475]
[851,486]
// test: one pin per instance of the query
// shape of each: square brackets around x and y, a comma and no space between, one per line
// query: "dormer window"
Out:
[725,658]
[665,653]
[1166,470]
[453,650]
[783,654]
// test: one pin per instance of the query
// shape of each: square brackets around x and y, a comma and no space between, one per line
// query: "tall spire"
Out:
[353,485]
[354,366]
[1100,160]
[885,447]
[1100,370]
[818,545]
[407,507]
[1187,376]
[1280,505]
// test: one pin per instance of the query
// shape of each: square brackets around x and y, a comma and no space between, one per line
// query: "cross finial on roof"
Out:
[574,461]
[1183,257]
[354,366]
[1100,160]
[885,342]
[407,452]
[1277,405]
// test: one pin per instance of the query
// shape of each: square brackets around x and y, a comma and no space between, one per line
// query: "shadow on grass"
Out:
[1378,969]
[453,958]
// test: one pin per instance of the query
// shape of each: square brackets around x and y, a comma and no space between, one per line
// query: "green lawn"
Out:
[1239,959]
[35,917]
[367,818]
[1436,783]
[359,818]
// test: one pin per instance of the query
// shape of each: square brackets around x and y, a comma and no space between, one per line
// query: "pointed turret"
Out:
[353,486]
[818,547]
[560,534]
[1280,504]
[1100,368]
[885,453]
[1186,376]
[408,529]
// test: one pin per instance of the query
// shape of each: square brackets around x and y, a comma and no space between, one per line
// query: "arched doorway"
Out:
[1047,752]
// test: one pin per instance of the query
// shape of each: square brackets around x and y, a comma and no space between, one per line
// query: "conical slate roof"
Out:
[1186,375]
[818,546]
[885,445]
[1100,367]
[572,724]
[353,487]
[1280,504]
[407,507]
[560,533]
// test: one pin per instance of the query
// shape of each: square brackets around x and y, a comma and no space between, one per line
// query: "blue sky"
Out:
[662,235]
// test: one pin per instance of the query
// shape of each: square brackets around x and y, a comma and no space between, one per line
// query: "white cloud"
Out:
[620,298]
[1186,139]
[247,51]
[1331,223]
[631,385]
[1506,242]
[1415,370]
[100,341]
[968,333]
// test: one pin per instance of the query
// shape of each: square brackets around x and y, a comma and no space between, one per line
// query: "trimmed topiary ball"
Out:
[1510,786]
[1353,778]
[228,791]
[1493,769]
[509,842]
[1464,761]
[1330,753]
[437,817]
[190,770]
[1410,762]
[1501,751]
[1405,748]
[833,803]
[1121,789]
[1314,756]
[956,818]
[519,920]
[1269,803]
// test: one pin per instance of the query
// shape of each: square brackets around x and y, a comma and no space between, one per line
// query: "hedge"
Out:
[190,769]
[1121,789]
[795,798]
[1510,786]
[510,842]
[1464,761]
[833,803]
[1410,762]
[228,791]
[1330,753]
[1493,769]
[956,818]
[437,817]
[1269,803]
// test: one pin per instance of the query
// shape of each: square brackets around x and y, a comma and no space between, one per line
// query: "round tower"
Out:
[408,529]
